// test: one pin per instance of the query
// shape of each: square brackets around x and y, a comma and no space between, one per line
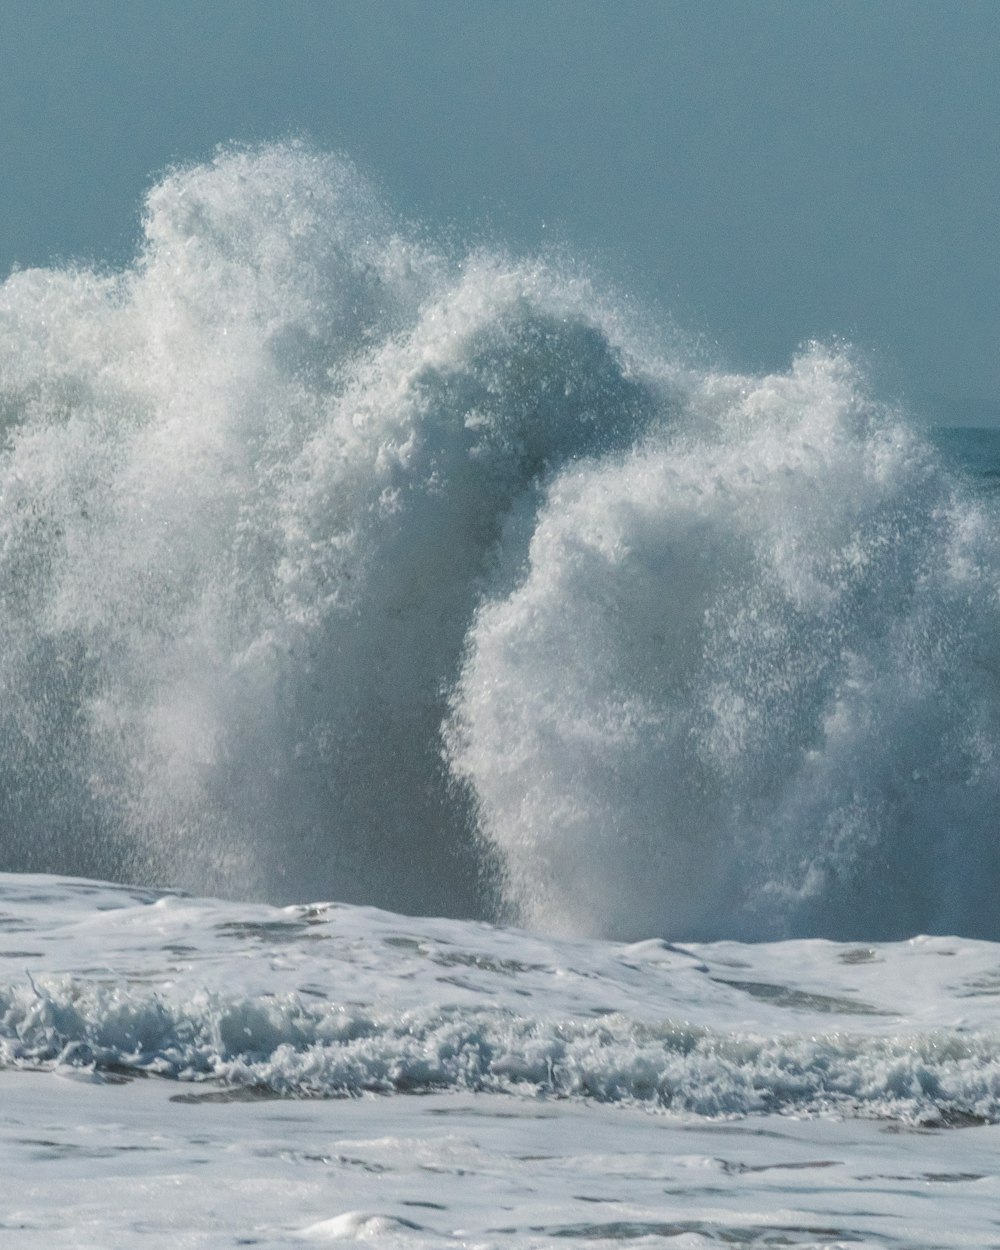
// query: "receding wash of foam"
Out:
[336,565]
[330,1000]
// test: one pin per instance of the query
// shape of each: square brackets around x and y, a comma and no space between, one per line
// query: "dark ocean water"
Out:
[975,451]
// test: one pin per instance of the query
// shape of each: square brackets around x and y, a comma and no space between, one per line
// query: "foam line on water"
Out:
[295,1047]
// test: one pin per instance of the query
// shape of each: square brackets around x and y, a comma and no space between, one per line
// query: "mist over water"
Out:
[332,566]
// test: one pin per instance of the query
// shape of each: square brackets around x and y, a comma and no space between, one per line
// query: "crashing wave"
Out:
[333,565]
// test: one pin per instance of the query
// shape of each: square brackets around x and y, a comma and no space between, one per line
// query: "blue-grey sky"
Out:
[769,171]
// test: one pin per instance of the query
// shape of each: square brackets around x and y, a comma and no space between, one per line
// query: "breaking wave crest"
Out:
[293,1048]
[332,565]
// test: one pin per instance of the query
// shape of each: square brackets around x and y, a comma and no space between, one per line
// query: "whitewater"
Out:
[425,672]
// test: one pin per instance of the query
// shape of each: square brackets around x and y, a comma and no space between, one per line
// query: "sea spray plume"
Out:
[253,489]
[293,503]
[746,684]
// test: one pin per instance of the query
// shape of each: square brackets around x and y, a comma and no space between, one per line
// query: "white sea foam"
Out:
[803,1093]
[334,565]
[340,1001]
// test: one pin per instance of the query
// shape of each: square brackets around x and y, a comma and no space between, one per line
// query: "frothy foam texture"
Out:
[332,566]
[331,1000]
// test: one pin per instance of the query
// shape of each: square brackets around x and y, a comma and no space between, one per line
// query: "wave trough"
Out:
[333,565]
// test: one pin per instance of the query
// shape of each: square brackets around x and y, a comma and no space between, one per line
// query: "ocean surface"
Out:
[599,751]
